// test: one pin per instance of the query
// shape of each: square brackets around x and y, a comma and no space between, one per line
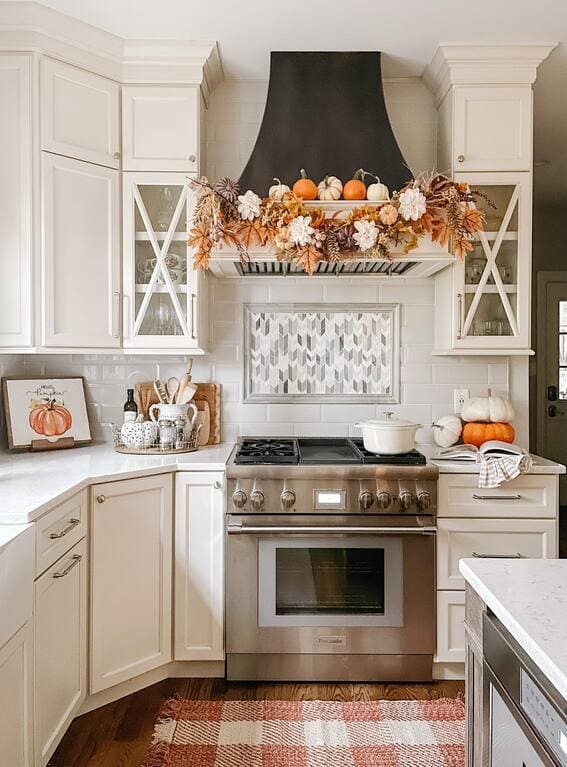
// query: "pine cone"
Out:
[345,237]
[228,189]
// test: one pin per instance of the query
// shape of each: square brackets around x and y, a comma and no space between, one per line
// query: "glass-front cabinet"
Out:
[490,287]
[164,298]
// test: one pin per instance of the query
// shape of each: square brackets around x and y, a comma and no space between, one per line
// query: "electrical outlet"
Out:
[460,396]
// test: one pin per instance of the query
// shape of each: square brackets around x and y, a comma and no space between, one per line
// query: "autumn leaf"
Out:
[473,220]
[441,232]
[308,258]
[461,247]
[251,233]
[199,238]
[201,259]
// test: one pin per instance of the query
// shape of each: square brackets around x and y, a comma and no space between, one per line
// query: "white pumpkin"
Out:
[139,433]
[330,188]
[488,409]
[447,430]
[278,190]
[378,192]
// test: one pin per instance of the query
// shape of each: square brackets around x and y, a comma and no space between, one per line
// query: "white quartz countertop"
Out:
[540,465]
[30,484]
[529,596]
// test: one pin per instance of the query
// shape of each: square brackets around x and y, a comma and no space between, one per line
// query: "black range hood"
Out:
[325,112]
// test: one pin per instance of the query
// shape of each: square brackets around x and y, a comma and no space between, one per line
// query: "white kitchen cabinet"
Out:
[80,254]
[16,285]
[492,127]
[161,128]
[165,299]
[60,676]
[483,303]
[59,530]
[199,566]
[80,114]
[464,538]
[450,627]
[131,564]
[16,700]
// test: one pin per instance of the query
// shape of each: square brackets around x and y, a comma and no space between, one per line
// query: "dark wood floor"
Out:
[118,735]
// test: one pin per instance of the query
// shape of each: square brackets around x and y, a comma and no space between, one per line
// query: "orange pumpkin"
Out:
[355,189]
[476,433]
[50,419]
[304,187]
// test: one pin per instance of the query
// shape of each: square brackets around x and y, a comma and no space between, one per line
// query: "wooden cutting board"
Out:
[145,396]
[211,393]
[204,419]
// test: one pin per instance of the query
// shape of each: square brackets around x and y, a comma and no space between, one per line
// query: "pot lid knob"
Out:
[388,415]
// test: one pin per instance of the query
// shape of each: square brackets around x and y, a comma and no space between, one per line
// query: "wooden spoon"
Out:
[172,387]
[160,391]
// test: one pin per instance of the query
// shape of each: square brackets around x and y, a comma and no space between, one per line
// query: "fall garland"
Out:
[430,205]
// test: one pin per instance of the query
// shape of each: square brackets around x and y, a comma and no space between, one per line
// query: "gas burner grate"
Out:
[413,458]
[257,451]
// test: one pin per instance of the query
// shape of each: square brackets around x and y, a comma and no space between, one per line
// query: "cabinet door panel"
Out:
[463,538]
[15,202]
[493,128]
[199,556]
[450,627]
[16,692]
[60,648]
[160,128]
[79,114]
[131,542]
[81,254]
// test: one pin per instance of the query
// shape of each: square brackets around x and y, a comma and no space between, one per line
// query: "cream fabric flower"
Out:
[366,234]
[412,204]
[249,205]
[300,230]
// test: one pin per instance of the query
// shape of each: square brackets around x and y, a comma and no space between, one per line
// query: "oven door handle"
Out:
[240,529]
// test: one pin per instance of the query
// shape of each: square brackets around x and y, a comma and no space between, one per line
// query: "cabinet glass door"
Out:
[493,297]
[159,277]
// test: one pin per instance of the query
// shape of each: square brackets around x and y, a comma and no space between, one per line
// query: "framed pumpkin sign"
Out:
[45,413]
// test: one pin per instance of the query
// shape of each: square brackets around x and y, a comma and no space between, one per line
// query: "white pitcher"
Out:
[171,412]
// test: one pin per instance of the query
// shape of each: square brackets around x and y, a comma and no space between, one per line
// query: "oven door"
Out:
[329,584]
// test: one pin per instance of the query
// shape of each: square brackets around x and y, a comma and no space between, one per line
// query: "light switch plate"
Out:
[460,396]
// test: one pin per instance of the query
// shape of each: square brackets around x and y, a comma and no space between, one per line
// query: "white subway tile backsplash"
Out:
[460,375]
[284,293]
[344,413]
[300,413]
[408,294]
[428,394]
[239,412]
[415,374]
[321,430]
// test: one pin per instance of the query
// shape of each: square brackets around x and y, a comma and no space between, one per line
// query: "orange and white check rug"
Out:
[309,734]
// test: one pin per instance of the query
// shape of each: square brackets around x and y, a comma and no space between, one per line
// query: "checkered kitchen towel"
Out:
[495,470]
[309,734]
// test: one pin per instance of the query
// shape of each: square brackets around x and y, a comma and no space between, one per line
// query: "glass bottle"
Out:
[130,407]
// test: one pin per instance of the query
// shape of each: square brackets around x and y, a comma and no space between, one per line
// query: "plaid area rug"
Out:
[309,734]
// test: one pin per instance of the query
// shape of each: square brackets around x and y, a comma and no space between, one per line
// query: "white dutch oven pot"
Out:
[388,436]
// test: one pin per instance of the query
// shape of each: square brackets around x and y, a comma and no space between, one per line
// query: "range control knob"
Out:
[406,499]
[383,499]
[257,500]
[423,500]
[365,500]
[239,498]
[287,499]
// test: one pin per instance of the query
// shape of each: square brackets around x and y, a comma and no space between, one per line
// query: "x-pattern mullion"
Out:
[160,254]
[491,254]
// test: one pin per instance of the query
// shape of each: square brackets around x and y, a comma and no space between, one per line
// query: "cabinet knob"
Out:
[217,485]
[461,158]
[192,158]
[101,498]
[116,155]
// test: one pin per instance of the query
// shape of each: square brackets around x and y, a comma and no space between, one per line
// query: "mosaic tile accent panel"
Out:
[298,352]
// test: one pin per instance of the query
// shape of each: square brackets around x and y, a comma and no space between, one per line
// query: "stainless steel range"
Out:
[330,562]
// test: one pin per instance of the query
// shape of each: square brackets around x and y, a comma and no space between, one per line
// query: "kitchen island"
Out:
[527,599]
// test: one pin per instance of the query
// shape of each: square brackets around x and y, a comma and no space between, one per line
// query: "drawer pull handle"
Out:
[101,498]
[72,524]
[217,485]
[76,559]
[517,555]
[515,497]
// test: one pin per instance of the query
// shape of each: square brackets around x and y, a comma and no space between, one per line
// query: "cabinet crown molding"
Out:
[29,26]
[484,64]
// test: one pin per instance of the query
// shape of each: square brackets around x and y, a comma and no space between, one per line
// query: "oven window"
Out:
[329,581]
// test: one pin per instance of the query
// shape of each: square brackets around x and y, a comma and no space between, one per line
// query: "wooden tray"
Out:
[211,393]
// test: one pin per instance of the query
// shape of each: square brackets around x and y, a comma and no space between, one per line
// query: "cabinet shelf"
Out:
[491,289]
[160,236]
[143,288]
